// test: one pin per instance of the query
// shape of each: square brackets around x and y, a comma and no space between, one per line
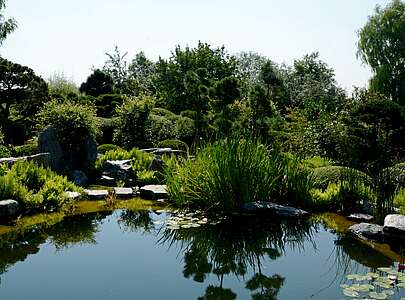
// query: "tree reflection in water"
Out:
[235,245]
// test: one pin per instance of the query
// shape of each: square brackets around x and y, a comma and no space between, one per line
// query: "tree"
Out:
[61,86]
[382,46]
[98,83]
[210,64]
[22,93]
[116,67]
[140,75]
[312,86]
[6,25]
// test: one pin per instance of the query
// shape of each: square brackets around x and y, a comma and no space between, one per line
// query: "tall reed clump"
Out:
[34,187]
[230,172]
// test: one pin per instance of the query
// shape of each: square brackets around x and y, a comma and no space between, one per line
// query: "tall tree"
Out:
[382,46]
[6,25]
[116,67]
[98,83]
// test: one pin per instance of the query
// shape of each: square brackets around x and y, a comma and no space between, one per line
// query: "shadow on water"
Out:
[235,245]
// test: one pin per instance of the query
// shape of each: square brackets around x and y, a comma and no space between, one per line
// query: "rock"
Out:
[73,195]
[80,157]
[360,217]
[153,192]
[394,224]
[121,192]
[8,208]
[169,151]
[107,180]
[40,158]
[96,194]
[48,143]
[118,169]
[157,164]
[79,178]
[367,231]
[284,211]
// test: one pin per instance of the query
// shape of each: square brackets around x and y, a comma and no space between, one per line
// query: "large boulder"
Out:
[48,142]
[8,208]
[394,224]
[79,178]
[118,169]
[367,231]
[79,157]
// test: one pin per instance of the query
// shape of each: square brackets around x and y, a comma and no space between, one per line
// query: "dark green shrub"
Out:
[4,151]
[131,120]
[107,127]
[102,149]
[106,104]
[173,144]
[185,129]
[75,123]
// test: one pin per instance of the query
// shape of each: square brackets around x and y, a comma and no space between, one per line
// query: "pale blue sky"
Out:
[72,36]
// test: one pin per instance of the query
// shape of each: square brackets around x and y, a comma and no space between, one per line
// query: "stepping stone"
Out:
[96,194]
[73,195]
[281,210]
[360,217]
[394,224]
[153,192]
[8,208]
[121,192]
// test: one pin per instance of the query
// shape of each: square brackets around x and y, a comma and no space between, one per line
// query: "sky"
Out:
[71,37]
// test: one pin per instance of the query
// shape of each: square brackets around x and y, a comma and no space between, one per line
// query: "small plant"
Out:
[103,149]
[111,199]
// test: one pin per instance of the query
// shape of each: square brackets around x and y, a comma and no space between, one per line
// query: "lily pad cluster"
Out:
[382,284]
[187,220]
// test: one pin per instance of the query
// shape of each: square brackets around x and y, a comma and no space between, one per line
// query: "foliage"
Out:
[116,67]
[382,46]
[228,173]
[141,72]
[399,200]
[107,127]
[146,177]
[35,187]
[130,124]
[61,86]
[209,64]
[7,26]
[315,162]
[104,148]
[22,93]
[173,144]
[107,103]
[4,151]
[323,176]
[29,148]
[98,83]
[75,123]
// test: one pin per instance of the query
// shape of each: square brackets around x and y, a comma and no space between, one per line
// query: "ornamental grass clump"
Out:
[230,172]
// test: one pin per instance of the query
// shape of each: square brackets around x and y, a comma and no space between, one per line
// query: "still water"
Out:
[129,255]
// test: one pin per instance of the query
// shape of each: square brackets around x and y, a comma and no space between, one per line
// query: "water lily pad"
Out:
[350,293]
[381,296]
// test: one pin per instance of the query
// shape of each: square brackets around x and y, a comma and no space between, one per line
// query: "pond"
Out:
[132,254]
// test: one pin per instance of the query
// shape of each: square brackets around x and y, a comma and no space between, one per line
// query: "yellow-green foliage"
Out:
[140,161]
[324,175]
[399,200]
[35,187]
[145,177]
[316,162]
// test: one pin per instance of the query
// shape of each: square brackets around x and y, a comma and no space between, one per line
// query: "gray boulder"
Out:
[40,158]
[48,142]
[8,208]
[367,231]
[153,192]
[118,169]
[358,217]
[394,224]
[284,211]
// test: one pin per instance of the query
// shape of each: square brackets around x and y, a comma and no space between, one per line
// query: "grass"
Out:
[230,172]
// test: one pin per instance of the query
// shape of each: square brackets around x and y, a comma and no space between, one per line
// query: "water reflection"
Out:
[233,247]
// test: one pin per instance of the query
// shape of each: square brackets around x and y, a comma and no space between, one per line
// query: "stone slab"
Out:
[73,195]
[367,231]
[122,192]
[8,208]
[96,194]
[359,217]
[153,192]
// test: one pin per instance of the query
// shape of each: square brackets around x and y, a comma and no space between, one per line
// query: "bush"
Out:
[4,151]
[75,123]
[323,176]
[35,187]
[316,162]
[173,144]
[27,149]
[103,149]
[107,103]
[131,120]
[228,173]
[107,127]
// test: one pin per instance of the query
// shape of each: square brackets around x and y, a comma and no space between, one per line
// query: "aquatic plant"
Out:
[230,172]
